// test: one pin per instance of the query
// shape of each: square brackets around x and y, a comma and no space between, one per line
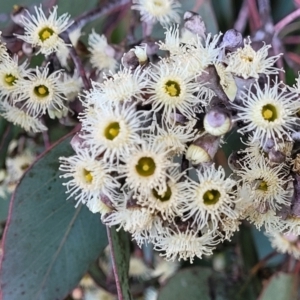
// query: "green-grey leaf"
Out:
[48,244]
[190,283]
[121,251]
[4,205]
[282,286]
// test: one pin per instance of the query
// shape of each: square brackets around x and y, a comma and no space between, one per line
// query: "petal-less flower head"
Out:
[41,91]
[268,185]
[10,73]
[211,197]
[185,245]
[199,54]
[169,203]
[247,62]
[88,177]
[113,130]
[102,54]
[21,118]
[72,85]
[132,219]
[163,11]
[44,32]
[173,136]
[269,220]
[172,41]
[269,113]
[146,168]
[18,164]
[171,88]
[123,86]
[3,51]
[285,243]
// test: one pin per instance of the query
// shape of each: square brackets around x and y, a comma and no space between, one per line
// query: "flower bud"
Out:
[232,40]
[276,156]
[217,122]
[234,160]
[194,23]
[203,149]
[17,15]
[77,142]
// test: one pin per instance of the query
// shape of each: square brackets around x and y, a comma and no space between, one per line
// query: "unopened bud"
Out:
[234,160]
[27,49]
[276,156]
[194,23]
[135,57]
[17,14]
[217,122]
[130,60]
[77,142]
[232,40]
[203,149]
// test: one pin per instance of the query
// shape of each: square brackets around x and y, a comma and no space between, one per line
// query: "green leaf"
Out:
[48,245]
[281,286]
[121,250]
[250,259]
[190,283]
[4,205]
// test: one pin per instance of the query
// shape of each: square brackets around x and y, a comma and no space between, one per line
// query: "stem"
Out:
[254,18]
[114,265]
[96,13]
[47,143]
[286,20]
[242,18]
[77,61]
[262,262]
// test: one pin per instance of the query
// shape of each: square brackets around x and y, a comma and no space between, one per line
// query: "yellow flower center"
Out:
[247,58]
[263,186]
[157,3]
[172,88]
[87,176]
[41,91]
[45,33]
[112,131]
[145,166]
[10,79]
[165,196]
[269,112]
[211,197]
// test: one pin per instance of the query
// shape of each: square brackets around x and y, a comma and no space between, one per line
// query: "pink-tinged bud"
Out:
[203,149]
[17,15]
[276,156]
[135,57]
[130,60]
[232,40]
[291,237]
[194,23]
[217,122]
[77,142]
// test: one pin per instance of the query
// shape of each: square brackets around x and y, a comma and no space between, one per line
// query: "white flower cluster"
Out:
[137,121]
[150,131]
[28,94]
[20,157]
